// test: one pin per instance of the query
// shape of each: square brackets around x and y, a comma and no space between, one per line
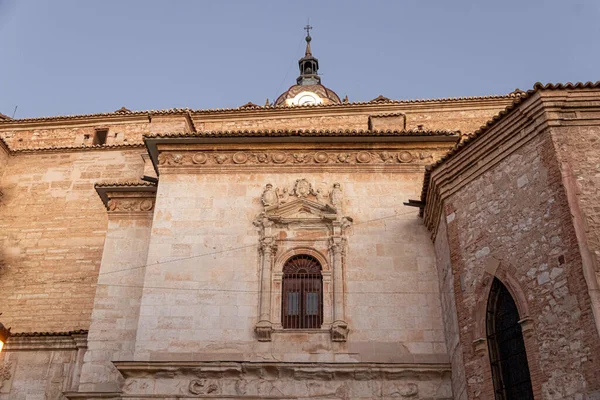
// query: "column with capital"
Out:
[264,327]
[339,328]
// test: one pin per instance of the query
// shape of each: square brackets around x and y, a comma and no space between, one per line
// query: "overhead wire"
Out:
[82,278]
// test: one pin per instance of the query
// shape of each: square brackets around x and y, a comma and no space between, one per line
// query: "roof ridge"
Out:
[171,111]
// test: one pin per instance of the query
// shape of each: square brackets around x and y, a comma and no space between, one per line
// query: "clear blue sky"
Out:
[72,57]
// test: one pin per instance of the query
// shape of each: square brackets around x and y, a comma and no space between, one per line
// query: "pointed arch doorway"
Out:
[508,358]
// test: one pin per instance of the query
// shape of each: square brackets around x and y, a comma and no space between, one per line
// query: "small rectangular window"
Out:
[100,137]
[312,303]
[293,303]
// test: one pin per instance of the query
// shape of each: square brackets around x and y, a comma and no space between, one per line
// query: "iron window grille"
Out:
[302,295]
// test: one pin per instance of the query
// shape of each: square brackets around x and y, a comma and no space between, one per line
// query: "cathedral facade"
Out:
[309,248]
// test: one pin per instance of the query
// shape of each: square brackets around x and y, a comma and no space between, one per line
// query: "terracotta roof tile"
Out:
[124,184]
[304,132]
[520,98]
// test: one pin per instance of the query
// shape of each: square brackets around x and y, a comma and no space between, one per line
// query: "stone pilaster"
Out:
[339,328]
[120,282]
[264,327]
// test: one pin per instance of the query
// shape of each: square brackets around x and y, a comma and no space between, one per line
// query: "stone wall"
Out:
[449,313]
[52,230]
[205,306]
[465,116]
[41,366]
[508,217]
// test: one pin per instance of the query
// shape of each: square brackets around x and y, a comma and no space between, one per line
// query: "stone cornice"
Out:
[75,121]
[132,198]
[49,341]
[304,149]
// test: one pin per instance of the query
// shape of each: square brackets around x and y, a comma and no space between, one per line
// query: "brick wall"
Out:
[52,229]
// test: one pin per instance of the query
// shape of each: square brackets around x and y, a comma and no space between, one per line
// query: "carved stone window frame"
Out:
[302,210]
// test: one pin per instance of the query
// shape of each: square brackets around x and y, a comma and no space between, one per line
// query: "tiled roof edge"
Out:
[303,132]
[35,334]
[174,111]
[538,86]
[124,184]
[82,147]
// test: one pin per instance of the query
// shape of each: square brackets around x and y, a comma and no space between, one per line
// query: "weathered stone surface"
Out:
[515,218]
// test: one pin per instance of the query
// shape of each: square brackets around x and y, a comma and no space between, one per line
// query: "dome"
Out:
[307,94]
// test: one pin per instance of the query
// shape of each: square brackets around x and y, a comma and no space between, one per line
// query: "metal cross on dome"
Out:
[307,28]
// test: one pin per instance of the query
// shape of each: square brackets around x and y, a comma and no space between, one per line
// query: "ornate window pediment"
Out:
[302,211]
[287,216]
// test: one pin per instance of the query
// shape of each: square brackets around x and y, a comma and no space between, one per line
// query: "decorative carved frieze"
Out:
[285,380]
[278,157]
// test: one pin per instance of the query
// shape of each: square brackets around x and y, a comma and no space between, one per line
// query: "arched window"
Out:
[302,295]
[510,371]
